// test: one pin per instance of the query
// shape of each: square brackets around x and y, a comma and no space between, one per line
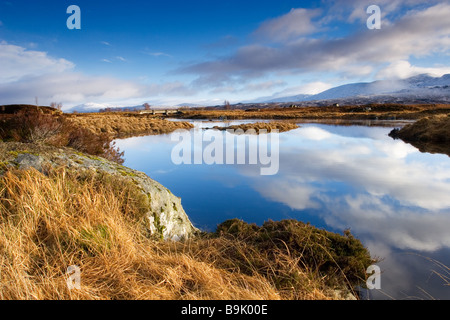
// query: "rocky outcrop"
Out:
[166,216]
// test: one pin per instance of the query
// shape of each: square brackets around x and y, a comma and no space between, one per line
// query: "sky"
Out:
[165,53]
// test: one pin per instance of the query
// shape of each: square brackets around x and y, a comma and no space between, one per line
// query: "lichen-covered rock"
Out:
[166,216]
[27,160]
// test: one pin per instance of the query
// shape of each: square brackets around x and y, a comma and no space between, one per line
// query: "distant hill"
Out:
[414,90]
[96,107]
[421,87]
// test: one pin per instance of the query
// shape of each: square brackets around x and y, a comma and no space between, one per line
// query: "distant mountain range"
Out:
[418,89]
[91,107]
[421,87]
[96,107]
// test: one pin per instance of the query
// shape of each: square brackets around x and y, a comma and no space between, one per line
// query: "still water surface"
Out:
[392,197]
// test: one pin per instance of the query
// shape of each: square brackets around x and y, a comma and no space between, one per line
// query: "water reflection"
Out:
[377,186]
[394,198]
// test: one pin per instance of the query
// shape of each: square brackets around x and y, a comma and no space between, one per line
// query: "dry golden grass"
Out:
[122,125]
[430,129]
[50,222]
[365,112]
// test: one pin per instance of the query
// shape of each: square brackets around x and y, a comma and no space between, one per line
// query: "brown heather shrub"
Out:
[33,126]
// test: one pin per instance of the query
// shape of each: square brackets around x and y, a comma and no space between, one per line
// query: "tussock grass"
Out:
[431,129]
[98,222]
[431,134]
[123,125]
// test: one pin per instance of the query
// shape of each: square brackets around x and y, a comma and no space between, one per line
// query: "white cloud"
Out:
[375,170]
[157,54]
[75,88]
[307,88]
[416,34]
[295,195]
[314,87]
[69,88]
[94,107]
[403,69]
[175,88]
[263,86]
[32,45]
[355,10]
[289,26]
[17,63]
[314,133]
[27,74]
[397,228]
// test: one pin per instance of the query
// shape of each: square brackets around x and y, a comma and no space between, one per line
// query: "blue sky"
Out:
[198,51]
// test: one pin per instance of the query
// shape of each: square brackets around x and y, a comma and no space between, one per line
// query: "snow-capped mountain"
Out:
[418,86]
[427,81]
[96,107]
[91,107]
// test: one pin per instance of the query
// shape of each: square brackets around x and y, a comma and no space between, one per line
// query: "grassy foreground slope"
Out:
[51,221]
